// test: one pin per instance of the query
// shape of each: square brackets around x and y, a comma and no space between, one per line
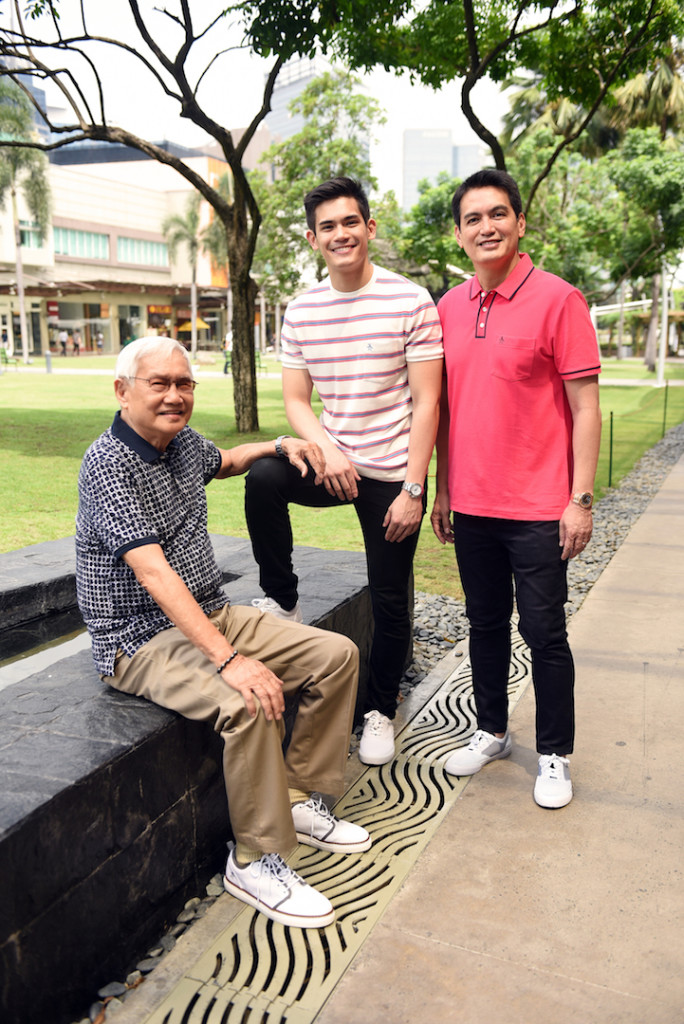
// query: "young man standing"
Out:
[369,341]
[517,452]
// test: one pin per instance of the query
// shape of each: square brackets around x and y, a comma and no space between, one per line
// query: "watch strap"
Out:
[279,446]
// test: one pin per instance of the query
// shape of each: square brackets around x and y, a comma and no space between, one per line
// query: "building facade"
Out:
[103,276]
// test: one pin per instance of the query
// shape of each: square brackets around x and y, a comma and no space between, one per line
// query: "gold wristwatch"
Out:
[585,499]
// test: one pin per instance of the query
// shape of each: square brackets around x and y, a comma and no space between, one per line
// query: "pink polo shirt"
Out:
[507,355]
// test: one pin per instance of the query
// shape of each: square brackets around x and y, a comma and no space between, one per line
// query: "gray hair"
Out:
[130,356]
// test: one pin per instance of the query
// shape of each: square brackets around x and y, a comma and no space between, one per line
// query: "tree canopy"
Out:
[338,124]
[174,51]
[578,51]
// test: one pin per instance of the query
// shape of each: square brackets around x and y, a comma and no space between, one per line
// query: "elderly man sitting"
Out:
[161,627]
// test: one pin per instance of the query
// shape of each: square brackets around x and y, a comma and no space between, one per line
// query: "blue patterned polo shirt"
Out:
[131,494]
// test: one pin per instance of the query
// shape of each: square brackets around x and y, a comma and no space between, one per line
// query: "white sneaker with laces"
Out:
[553,787]
[267,604]
[377,739]
[483,748]
[317,826]
[270,886]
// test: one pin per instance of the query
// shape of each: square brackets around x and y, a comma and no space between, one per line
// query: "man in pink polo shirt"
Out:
[517,451]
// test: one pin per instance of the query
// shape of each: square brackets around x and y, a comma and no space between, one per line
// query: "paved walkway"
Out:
[572,916]
[524,915]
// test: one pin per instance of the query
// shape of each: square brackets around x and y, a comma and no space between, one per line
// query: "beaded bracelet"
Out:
[228,660]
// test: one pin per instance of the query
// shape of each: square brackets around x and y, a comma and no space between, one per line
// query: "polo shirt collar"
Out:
[510,285]
[124,433]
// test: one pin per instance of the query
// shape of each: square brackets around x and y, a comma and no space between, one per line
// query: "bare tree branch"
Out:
[479,66]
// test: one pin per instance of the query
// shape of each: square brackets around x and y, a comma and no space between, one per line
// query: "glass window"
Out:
[142,251]
[88,245]
[30,234]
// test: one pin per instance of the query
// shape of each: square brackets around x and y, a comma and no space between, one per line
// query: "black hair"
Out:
[490,177]
[334,189]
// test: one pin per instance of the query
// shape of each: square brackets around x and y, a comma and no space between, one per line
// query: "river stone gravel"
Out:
[440,625]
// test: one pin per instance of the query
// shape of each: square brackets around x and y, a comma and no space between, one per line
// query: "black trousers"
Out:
[271,485]
[492,553]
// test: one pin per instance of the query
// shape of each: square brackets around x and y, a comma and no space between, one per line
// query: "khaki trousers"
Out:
[318,666]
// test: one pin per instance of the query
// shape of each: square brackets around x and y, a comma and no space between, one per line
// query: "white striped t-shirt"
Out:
[356,347]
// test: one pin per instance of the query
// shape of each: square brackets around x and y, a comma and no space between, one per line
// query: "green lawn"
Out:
[48,420]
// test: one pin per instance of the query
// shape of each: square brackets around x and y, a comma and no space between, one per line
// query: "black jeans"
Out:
[271,485]
[491,554]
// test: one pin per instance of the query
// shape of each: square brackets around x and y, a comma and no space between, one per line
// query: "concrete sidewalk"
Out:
[575,916]
[527,916]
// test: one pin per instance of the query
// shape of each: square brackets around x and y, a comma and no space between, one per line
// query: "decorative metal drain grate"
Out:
[258,972]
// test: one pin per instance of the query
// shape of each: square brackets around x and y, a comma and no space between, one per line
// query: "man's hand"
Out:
[300,452]
[440,517]
[403,517]
[576,525]
[340,476]
[252,679]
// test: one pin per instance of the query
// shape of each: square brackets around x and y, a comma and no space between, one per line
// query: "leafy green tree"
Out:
[22,172]
[579,51]
[70,55]
[338,122]
[184,230]
[647,168]
[428,239]
[655,96]
[387,246]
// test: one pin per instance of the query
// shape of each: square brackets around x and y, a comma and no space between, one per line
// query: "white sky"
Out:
[233,88]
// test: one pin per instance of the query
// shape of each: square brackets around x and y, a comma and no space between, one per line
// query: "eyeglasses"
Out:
[160,385]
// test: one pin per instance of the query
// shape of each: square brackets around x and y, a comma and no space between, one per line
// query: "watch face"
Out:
[586,500]
[415,490]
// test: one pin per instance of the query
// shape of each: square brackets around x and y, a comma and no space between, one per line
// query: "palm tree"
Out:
[654,97]
[184,230]
[531,108]
[22,172]
[214,241]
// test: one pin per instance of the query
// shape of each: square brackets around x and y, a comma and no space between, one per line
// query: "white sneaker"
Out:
[270,886]
[267,604]
[317,826]
[553,787]
[377,739]
[483,748]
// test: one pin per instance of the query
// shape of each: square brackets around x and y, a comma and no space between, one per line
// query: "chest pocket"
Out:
[512,358]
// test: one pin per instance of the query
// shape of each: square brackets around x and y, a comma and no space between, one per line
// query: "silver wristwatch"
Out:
[415,490]
[279,446]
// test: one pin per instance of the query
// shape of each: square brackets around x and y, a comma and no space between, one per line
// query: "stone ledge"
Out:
[113,810]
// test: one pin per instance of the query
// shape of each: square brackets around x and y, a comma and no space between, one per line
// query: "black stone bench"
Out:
[112,810]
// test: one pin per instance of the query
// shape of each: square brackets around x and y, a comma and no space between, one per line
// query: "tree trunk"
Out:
[244,292]
[652,335]
[193,314]
[23,324]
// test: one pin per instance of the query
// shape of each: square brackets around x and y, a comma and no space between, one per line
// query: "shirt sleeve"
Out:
[114,505]
[425,335]
[290,349]
[576,350]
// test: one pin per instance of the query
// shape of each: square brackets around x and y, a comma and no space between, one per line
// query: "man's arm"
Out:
[405,513]
[339,475]
[576,523]
[249,677]
[235,461]
[441,510]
